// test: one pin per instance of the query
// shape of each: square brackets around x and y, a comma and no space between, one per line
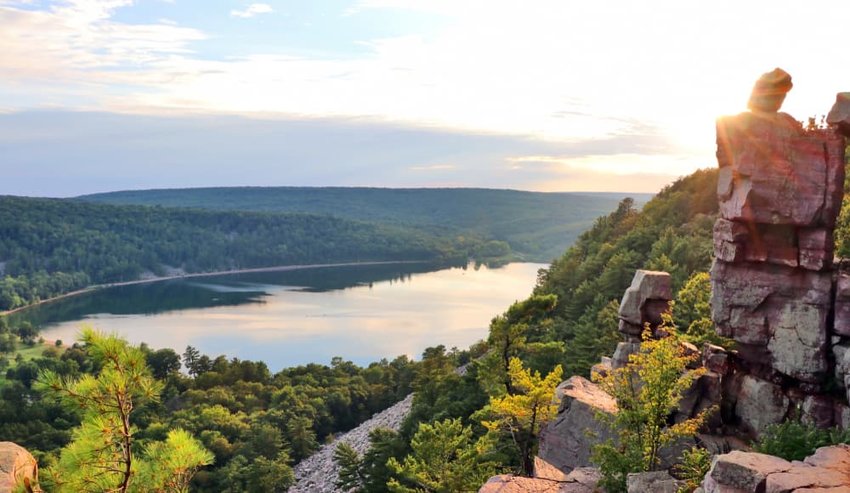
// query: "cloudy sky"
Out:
[557,95]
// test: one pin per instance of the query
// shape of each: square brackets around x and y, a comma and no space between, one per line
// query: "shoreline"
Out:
[277,268]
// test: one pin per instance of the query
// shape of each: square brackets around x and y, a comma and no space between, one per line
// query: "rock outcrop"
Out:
[644,302]
[774,288]
[582,480]
[826,471]
[17,466]
[567,440]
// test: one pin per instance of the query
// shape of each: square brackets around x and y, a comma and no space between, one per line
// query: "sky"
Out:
[545,95]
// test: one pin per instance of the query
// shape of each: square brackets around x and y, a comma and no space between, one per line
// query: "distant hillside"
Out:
[52,246]
[539,226]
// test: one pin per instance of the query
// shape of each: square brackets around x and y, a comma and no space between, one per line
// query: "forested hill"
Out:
[52,246]
[537,225]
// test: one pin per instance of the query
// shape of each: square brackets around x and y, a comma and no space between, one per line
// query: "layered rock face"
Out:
[780,189]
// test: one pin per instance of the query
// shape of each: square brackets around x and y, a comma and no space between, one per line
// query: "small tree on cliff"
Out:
[522,415]
[647,391]
[444,459]
[101,455]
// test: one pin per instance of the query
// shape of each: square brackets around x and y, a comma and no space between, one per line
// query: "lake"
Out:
[362,313]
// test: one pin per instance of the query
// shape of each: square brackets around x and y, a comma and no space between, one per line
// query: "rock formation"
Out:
[17,466]
[826,471]
[566,441]
[780,189]
[769,91]
[775,290]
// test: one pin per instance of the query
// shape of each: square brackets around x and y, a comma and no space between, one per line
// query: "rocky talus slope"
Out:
[317,473]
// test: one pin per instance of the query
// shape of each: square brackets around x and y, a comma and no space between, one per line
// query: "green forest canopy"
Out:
[538,226]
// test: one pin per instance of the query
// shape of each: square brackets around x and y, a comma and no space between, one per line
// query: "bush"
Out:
[793,440]
[647,391]
[695,464]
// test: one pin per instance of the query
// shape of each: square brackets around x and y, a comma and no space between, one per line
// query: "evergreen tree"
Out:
[101,455]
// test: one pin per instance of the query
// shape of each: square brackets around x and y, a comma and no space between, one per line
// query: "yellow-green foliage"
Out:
[647,391]
[100,456]
[692,312]
[842,227]
[695,464]
[445,459]
[522,414]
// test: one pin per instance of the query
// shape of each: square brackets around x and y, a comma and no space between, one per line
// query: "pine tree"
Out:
[101,454]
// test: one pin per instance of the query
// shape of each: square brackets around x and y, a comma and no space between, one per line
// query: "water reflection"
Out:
[362,313]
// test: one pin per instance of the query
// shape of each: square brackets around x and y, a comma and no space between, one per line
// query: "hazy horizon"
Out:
[105,95]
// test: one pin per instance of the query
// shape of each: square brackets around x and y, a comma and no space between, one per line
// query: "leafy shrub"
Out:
[793,440]
[694,465]
[647,391]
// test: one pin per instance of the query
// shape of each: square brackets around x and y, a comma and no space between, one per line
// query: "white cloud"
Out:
[252,10]
[433,167]
[562,71]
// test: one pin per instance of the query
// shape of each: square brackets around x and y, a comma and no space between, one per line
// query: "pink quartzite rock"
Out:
[777,314]
[582,480]
[769,91]
[774,172]
[565,442]
[645,300]
[16,466]
[760,403]
[839,115]
[842,305]
[834,457]
[746,471]
[507,483]
[826,471]
[805,476]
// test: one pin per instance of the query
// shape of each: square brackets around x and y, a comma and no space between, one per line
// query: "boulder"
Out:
[507,483]
[17,466]
[645,300]
[654,481]
[769,91]
[833,457]
[805,476]
[760,403]
[581,480]
[566,441]
[742,471]
[777,314]
[839,115]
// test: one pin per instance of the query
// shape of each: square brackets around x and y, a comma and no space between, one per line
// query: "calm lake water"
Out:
[361,313]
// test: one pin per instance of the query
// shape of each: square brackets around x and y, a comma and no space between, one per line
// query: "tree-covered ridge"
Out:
[671,233]
[50,246]
[537,225]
